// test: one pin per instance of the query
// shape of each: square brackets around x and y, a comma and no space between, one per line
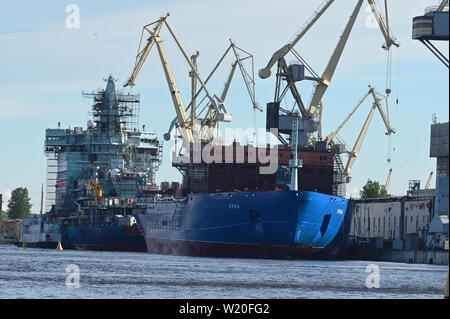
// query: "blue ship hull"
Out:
[105,237]
[270,224]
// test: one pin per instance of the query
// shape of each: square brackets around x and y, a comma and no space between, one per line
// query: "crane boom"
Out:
[330,137]
[384,27]
[142,54]
[388,181]
[140,60]
[176,99]
[442,5]
[265,72]
[227,84]
[334,60]
[193,88]
[354,153]
[376,105]
[383,115]
[216,111]
[248,80]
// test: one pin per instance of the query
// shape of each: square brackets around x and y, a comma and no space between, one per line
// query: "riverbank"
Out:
[436,257]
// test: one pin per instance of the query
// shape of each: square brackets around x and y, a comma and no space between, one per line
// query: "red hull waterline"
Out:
[216,249]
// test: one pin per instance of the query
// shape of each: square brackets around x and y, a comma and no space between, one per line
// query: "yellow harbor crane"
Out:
[216,110]
[353,154]
[283,51]
[247,77]
[295,73]
[312,114]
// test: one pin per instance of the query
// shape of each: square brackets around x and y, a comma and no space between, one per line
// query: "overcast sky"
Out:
[44,66]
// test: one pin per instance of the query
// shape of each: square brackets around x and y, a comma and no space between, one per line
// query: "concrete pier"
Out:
[437,257]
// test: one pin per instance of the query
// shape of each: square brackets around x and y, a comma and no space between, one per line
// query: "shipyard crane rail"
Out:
[217,111]
[353,154]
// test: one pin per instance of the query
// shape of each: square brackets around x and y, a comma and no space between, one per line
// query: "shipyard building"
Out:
[416,221]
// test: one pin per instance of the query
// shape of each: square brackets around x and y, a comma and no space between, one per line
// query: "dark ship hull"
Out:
[268,224]
[106,238]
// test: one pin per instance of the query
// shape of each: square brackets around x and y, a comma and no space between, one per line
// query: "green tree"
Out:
[373,189]
[19,205]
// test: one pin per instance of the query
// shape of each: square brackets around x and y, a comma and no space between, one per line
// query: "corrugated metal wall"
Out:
[392,218]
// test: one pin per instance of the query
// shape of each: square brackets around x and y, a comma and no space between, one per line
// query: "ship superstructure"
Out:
[110,160]
[95,174]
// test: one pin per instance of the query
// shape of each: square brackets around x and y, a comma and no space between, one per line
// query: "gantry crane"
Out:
[353,154]
[216,110]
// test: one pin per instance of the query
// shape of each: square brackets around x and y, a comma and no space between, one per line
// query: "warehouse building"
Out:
[395,222]
[418,220]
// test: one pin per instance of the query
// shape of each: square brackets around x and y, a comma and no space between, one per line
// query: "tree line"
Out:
[19,205]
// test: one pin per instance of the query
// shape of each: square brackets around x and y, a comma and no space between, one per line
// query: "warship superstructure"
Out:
[95,174]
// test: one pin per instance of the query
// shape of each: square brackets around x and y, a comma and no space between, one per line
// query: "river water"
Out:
[41,273]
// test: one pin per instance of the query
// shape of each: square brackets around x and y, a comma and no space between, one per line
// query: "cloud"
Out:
[6,197]
[354,192]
